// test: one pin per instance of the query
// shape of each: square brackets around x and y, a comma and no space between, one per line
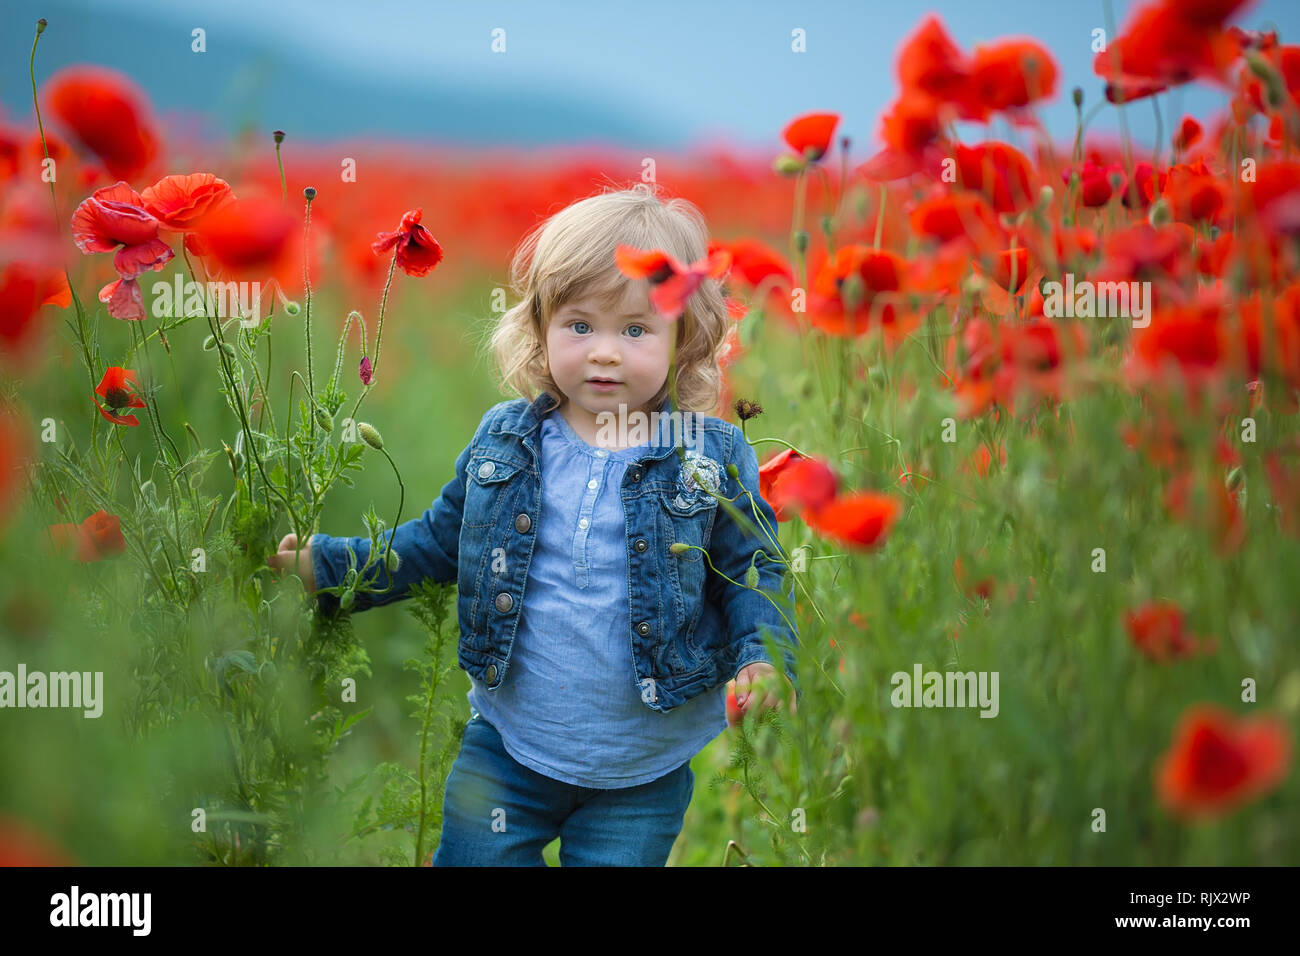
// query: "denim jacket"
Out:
[690,630]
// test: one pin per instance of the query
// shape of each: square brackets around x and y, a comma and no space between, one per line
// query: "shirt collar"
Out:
[545,403]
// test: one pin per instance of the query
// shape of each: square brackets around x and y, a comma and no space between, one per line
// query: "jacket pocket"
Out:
[487,486]
[688,520]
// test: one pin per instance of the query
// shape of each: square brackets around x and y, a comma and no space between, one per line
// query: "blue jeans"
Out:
[497,812]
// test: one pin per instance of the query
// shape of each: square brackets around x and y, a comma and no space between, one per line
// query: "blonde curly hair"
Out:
[571,255]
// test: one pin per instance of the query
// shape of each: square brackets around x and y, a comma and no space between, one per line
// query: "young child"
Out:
[597,626]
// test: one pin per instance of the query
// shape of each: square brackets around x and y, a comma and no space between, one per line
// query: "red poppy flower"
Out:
[109,114]
[1095,187]
[929,61]
[734,714]
[810,135]
[1217,762]
[15,448]
[1001,172]
[96,538]
[1193,192]
[117,389]
[1156,629]
[115,216]
[1011,267]
[672,283]
[1011,75]
[179,202]
[911,131]
[248,235]
[417,250]
[24,288]
[769,471]
[861,520]
[1187,135]
[879,278]
[803,484]
[1167,43]
[1275,198]
[754,262]
[22,845]
[963,215]
[1136,192]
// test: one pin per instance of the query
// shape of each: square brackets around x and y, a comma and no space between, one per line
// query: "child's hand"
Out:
[284,558]
[756,684]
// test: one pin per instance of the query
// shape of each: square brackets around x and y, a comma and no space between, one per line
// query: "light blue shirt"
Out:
[569,707]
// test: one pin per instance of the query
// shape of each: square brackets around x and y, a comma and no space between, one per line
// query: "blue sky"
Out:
[668,74]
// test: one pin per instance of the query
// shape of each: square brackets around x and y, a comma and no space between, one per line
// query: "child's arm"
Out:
[748,612]
[428,547]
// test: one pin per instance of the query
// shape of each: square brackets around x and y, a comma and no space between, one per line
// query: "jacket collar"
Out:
[523,425]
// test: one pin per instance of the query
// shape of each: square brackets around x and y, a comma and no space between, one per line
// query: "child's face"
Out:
[628,344]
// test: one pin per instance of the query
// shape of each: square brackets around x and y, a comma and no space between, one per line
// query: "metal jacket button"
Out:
[636,474]
[491,674]
[505,602]
[523,523]
[640,544]
[485,470]
[643,628]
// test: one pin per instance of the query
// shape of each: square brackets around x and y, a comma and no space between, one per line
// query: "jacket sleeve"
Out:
[428,547]
[747,612]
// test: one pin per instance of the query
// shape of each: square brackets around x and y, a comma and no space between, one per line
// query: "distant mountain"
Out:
[261,85]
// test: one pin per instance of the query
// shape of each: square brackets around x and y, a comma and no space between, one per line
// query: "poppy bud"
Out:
[851,292]
[1235,478]
[678,547]
[292,308]
[279,136]
[751,577]
[347,599]
[324,419]
[1159,215]
[1272,81]
[350,578]
[393,561]
[801,241]
[310,193]
[41,24]
[1077,96]
[209,343]
[732,470]
[786,165]
[228,349]
[370,435]
[1045,196]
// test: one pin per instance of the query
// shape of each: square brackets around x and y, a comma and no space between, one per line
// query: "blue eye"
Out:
[578,323]
[641,327]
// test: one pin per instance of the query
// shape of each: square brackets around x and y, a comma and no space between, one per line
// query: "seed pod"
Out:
[370,435]
[309,193]
[678,547]
[1160,214]
[347,599]
[324,419]
[732,470]
[394,561]
[751,577]
[787,165]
